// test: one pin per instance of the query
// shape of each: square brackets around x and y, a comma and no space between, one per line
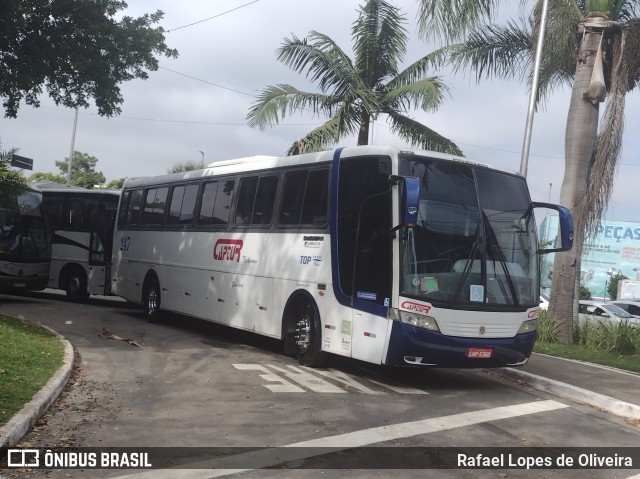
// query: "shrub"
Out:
[547,328]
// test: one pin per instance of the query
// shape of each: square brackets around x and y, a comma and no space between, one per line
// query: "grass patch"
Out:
[29,355]
[580,353]
[600,342]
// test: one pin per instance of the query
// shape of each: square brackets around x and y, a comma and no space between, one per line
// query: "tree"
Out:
[591,45]
[78,50]
[353,93]
[187,166]
[83,172]
[612,286]
[47,177]
[11,181]
[116,184]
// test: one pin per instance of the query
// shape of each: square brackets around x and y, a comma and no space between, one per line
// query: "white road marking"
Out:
[346,380]
[397,388]
[308,380]
[366,437]
[283,385]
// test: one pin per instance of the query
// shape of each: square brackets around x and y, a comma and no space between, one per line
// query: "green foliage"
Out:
[28,357]
[611,336]
[585,293]
[77,50]
[11,181]
[612,286]
[547,328]
[116,184]
[187,166]
[83,171]
[353,93]
[47,177]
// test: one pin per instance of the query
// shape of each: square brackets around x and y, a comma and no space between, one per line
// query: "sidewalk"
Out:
[613,390]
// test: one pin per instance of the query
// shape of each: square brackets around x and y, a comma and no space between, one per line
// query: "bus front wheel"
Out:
[308,336]
[76,285]
[151,300]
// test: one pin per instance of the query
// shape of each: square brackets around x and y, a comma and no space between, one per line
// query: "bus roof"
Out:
[263,162]
[59,188]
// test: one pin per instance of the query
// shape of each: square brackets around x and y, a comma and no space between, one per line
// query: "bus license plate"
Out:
[479,353]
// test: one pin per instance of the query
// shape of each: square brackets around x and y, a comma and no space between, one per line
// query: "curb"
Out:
[18,426]
[574,393]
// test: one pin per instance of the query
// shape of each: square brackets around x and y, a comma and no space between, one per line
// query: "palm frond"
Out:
[320,138]
[493,50]
[454,19]
[609,142]
[427,94]
[417,134]
[416,71]
[560,48]
[273,103]
[624,10]
[380,40]
[322,60]
[632,42]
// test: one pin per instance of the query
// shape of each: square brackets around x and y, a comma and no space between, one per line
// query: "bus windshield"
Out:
[23,234]
[474,244]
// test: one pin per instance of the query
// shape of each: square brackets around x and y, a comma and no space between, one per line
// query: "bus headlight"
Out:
[419,321]
[528,326]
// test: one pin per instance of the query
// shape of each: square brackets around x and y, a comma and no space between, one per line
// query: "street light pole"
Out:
[73,141]
[524,160]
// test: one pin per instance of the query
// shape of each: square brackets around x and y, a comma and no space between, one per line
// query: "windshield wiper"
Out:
[492,242]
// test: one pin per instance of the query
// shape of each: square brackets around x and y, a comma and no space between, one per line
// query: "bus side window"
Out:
[189,203]
[208,203]
[314,209]
[154,206]
[124,207]
[246,196]
[175,206]
[265,198]
[223,203]
[292,198]
[135,206]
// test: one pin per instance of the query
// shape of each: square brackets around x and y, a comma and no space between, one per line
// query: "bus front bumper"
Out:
[413,346]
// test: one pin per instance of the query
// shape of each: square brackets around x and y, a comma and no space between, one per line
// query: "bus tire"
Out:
[308,335]
[76,284]
[151,300]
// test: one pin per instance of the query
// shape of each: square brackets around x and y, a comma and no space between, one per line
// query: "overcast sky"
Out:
[224,61]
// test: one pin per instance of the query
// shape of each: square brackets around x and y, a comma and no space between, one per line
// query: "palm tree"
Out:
[353,93]
[592,45]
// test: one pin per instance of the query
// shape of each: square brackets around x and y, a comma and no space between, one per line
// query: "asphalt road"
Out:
[190,383]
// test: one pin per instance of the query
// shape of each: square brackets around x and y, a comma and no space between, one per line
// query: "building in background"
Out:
[613,250]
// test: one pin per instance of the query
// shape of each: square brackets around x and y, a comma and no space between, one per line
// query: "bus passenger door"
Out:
[365,251]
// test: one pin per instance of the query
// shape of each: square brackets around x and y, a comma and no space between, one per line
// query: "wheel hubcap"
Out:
[303,332]
[152,301]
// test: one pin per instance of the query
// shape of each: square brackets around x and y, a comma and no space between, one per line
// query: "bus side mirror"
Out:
[562,238]
[410,200]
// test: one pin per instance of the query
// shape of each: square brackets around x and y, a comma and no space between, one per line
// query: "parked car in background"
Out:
[589,309]
[544,301]
[631,307]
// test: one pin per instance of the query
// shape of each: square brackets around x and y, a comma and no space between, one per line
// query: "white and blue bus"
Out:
[82,224]
[407,258]
[24,241]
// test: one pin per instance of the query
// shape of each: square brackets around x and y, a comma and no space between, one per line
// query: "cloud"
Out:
[170,118]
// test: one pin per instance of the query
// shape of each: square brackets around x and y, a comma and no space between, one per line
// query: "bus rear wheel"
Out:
[151,300]
[76,286]
[307,336]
